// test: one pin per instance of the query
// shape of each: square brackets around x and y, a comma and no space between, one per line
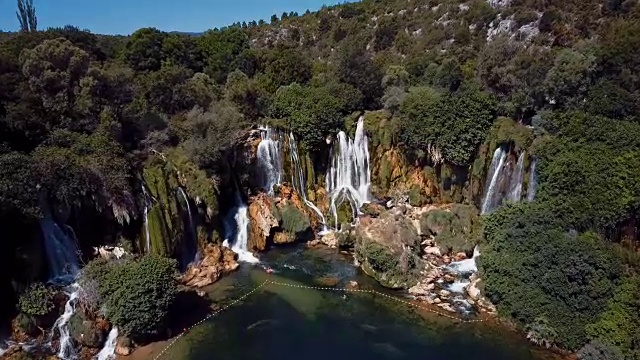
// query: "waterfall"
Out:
[497,163]
[269,159]
[467,265]
[61,251]
[67,352]
[533,181]
[349,176]
[109,349]
[301,183]
[192,250]
[515,185]
[146,220]
[236,225]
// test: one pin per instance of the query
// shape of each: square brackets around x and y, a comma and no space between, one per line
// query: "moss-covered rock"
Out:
[86,332]
[388,249]
[456,229]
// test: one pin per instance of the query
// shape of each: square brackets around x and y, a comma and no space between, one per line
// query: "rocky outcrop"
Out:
[87,332]
[263,221]
[388,249]
[217,260]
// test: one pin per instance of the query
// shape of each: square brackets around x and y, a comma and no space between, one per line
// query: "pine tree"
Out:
[27,16]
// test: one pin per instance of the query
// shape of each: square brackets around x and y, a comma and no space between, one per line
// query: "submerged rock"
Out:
[217,260]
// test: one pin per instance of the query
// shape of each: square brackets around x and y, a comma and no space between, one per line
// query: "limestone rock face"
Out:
[388,248]
[262,221]
[217,260]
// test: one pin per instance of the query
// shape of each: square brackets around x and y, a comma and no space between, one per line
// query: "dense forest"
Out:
[81,114]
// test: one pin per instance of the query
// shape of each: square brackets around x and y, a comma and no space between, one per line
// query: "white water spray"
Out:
[270,159]
[497,163]
[236,226]
[349,176]
[67,352]
[300,183]
[146,220]
[194,248]
[515,185]
[467,265]
[109,349]
[61,251]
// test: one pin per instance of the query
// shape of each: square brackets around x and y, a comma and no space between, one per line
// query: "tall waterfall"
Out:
[270,159]
[191,248]
[349,176]
[109,349]
[67,351]
[236,226]
[533,181]
[298,175]
[61,250]
[515,185]
[146,220]
[491,195]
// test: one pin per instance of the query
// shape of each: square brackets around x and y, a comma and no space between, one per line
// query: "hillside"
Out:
[96,130]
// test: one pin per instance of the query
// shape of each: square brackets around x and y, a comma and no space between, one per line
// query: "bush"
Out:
[37,300]
[533,268]
[595,350]
[137,294]
[380,259]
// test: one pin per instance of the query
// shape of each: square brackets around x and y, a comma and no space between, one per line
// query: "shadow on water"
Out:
[281,323]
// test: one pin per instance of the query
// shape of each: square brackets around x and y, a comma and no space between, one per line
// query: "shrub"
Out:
[137,294]
[596,350]
[37,300]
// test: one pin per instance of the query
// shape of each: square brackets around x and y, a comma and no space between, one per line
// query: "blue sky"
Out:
[126,16]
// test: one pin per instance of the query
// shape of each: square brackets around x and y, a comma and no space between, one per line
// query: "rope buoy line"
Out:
[322,288]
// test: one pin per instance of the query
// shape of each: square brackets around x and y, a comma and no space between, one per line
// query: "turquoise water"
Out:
[280,323]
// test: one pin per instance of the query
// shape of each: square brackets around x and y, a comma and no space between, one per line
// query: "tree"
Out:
[27,16]
[355,67]
[224,52]
[143,51]
[182,50]
[286,66]
[54,69]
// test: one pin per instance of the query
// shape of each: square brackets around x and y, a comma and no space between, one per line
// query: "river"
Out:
[279,322]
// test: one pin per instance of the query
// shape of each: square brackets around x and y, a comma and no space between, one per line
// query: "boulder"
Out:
[388,249]
[331,239]
[87,332]
[216,261]
[123,346]
[283,238]
[473,290]
[262,221]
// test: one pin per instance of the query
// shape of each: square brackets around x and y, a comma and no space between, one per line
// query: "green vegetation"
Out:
[84,118]
[37,300]
[455,230]
[137,294]
[294,221]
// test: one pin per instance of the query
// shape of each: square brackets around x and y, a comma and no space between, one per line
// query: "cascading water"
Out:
[491,195]
[301,183]
[146,220]
[61,251]
[67,352]
[270,159]
[515,185]
[465,266]
[109,349]
[349,176]
[236,226]
[533,181]
[192,251]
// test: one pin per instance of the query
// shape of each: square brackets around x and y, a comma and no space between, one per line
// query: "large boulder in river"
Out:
[388,249]
[217,260]
[262,220]
[88,332]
